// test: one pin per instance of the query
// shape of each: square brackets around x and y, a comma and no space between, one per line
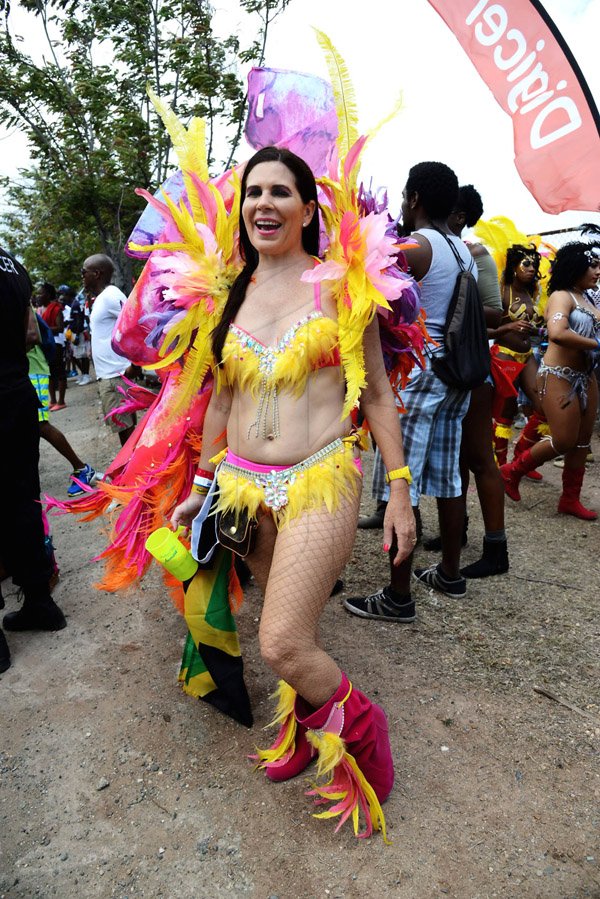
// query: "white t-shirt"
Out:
[103,319]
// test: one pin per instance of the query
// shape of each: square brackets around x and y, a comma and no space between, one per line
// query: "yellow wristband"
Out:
[201,491]
[399,474]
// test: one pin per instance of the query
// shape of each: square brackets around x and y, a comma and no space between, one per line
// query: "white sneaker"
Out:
[84,380]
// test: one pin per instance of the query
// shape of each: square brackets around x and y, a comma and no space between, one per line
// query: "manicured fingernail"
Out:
[386,547]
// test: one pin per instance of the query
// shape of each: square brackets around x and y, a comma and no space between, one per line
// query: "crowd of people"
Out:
[48,336]
[61,347]
[62,353]
[285,455]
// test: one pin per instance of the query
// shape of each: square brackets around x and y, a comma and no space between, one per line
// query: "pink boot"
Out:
[569,503]
[291,752]
[350,734]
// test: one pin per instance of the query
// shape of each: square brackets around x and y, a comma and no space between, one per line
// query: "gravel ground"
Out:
[115,783]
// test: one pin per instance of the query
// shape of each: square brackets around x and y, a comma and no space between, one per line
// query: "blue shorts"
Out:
[431,434]
[41,384]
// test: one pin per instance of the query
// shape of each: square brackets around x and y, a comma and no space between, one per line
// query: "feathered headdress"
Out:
[499,234]
[361,258]
[197,260]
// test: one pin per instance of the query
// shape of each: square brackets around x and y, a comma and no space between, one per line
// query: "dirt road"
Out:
[115,783]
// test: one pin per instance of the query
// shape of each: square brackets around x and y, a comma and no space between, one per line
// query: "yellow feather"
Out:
[343,93]
[398,105]
[190,148]
[331,750]
[284,716]
[286,697]
[196,366]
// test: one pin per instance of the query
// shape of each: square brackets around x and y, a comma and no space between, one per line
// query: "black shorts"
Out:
[57,365]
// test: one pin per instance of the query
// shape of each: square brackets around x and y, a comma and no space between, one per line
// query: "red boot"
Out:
[532,433]
[569,504]
[350,734]
[291,752]
[514,471]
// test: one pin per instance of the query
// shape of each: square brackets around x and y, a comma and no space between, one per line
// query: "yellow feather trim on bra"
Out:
[290,364]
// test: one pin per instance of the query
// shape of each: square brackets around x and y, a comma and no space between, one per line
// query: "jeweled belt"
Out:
[275,483]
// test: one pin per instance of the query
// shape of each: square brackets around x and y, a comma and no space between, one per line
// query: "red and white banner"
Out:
[527,65]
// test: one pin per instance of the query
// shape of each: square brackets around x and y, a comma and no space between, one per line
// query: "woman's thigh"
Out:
[528,383]
[308,556]
[259,560]
[562,412]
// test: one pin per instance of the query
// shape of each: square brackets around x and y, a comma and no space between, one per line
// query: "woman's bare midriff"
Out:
[567,358]
[305,423]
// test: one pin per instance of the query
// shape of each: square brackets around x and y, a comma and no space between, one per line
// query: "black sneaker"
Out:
[433,577]
[379,605]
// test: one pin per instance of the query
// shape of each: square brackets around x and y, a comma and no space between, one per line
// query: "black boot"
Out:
[4,653]
[36,615]
[493,561]
[376,519]
[434,544]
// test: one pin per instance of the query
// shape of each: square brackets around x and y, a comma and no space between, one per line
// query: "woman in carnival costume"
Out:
[291,357]
[281,351]
[565,379]
[512,354]
[518,348]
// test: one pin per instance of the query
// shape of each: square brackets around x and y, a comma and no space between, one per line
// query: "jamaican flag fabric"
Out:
[212,668]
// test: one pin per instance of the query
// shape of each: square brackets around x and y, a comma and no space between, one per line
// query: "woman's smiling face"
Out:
[273,210]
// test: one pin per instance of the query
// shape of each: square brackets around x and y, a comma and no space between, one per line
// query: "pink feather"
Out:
[353,155]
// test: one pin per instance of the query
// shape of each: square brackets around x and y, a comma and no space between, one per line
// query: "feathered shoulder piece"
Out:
[499,234]
[196,260]
[361,260]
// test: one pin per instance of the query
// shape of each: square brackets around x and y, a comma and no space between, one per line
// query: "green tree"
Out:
[93,134]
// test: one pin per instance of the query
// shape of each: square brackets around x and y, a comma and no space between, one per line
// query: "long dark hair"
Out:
[514,256]
[307,188]
[571,262]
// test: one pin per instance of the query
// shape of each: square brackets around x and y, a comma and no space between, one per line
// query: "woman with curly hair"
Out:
[566,383]
[513,364]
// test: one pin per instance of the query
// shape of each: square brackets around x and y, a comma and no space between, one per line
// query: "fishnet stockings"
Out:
[296,569]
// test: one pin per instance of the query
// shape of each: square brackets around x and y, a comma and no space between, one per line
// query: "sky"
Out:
[449,114]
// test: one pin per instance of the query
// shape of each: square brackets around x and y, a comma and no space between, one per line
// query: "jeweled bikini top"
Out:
[306,346]
[583,321]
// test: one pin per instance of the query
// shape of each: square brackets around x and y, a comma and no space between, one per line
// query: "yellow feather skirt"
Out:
[320,482]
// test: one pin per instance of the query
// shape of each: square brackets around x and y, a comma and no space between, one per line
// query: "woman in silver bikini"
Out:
[566,384]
